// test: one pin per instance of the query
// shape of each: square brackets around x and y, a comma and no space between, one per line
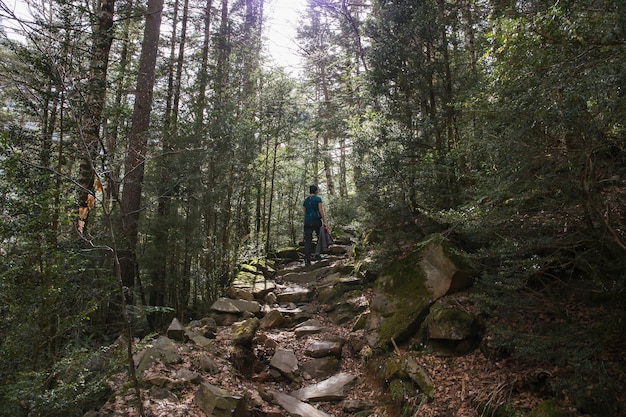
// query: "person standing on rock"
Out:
[313,220]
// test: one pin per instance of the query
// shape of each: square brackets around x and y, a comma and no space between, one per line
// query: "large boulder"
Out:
[405,290]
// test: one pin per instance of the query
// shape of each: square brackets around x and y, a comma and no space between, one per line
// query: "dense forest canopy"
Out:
[147,148]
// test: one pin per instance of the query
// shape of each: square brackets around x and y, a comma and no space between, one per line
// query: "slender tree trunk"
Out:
[137,141]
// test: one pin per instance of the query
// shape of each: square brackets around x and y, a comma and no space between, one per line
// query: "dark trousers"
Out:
[309,228]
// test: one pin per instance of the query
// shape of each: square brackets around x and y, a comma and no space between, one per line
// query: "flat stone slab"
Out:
[229,305]
[321,349]
[294,406]
[295,295]
[302,331]
[320,368]
[331,389]
[199,339]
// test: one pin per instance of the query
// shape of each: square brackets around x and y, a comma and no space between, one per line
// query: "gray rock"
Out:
[272,319]
[225,319]
[163,382]
[285,361]
[244,331]
[162,349]
[295,295]
[331,389]
[199,339]
[161,394]
[320,368]
[326,348]
[217,402]
[302,331]
[271,298]
[288,253]
[233,306]
[240,294]
[354,406]
[310,322]
[295,407]
[301,277]
[450,323]
[176,331]
[207,364]
[225,305]
[404,293]
[185,375]
[337,250]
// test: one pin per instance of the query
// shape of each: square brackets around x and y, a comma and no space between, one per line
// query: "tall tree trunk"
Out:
[112,130]
[137,142]
[93,107]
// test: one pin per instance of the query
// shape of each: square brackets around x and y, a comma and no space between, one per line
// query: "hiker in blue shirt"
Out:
[313,221]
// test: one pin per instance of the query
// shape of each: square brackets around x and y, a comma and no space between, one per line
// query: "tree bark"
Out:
[137,141]
[93,107]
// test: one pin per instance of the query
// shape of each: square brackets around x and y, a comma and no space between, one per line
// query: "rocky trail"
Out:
[291,340]
[272,347]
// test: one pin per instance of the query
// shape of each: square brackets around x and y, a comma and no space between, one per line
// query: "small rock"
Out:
[162,394]
[176,331]
[307,330]
[285,361]
[217,402]
[199,339]
[272,319]
[327,348]
[295,295]
[320,368]
[271,298]
[294,406]
[354,406]
[244,331]
[207,364]
[239,294]
[184,374]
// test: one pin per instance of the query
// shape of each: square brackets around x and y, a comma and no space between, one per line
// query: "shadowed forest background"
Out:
[148,148]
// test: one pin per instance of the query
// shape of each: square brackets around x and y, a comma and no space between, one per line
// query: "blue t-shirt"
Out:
[311,203]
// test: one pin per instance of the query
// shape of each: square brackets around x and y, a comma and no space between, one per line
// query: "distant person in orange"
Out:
[314,219]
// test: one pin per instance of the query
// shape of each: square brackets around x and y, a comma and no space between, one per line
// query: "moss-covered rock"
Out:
[450,321]
[407,368]
[410,285]
[244,331]
[547,408]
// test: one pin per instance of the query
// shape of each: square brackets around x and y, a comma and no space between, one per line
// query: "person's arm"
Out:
[321,211]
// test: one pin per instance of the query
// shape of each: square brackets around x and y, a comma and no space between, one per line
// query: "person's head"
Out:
[313,189]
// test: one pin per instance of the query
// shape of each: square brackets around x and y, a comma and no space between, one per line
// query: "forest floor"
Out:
[464,385]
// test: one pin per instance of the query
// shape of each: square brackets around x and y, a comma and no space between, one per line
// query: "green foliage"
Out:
[70,387]
[48,294]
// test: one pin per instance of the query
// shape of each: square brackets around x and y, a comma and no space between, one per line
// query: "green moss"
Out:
[404,283]
[245,278]
[249,268]
[547,408]
[503,410]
